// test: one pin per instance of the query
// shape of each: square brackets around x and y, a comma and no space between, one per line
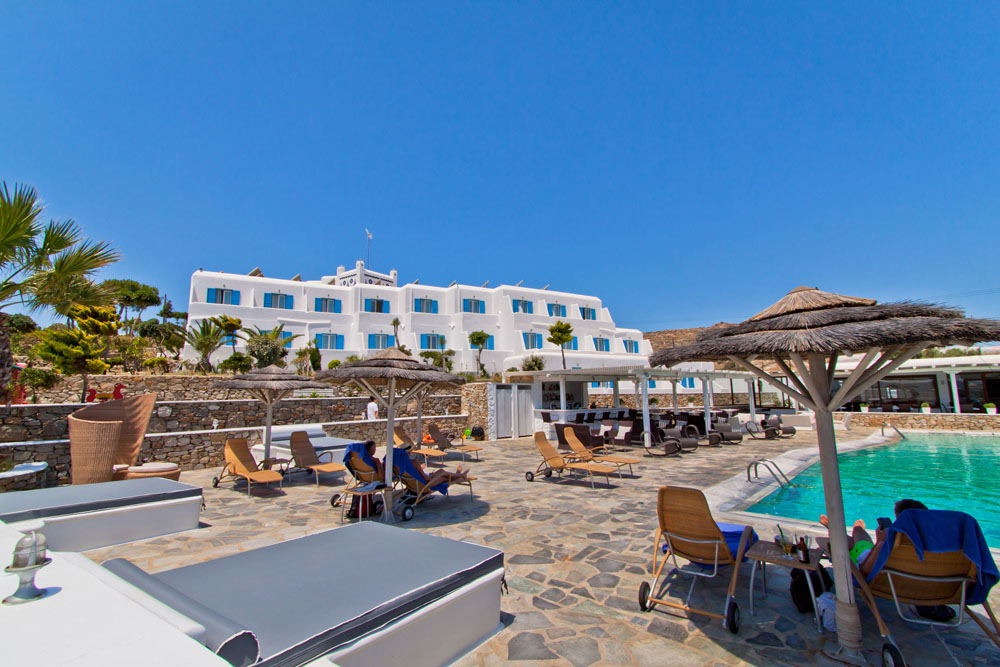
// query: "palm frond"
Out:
[59,235]
[85,258]
[19,213]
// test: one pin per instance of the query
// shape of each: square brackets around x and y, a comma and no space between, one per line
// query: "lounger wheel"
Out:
[333,499]
[732,622]
[215,482]
[377,506]
[548,473]
[891,656]
[644,590]
[407,513]
[530,476]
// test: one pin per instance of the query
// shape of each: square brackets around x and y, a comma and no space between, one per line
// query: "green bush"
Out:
[533,362]
[511,370]
[38,378]
[989,405]
[156,364]
[237,362]
[21,324]
[334,363]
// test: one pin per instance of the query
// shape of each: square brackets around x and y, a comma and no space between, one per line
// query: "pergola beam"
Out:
[852,379]
[903,357]
[773,381]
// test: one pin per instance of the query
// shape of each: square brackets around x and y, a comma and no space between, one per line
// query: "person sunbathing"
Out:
[441,476]
[379,468]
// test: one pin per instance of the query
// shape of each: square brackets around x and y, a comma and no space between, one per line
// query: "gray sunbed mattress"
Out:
[63,500]
[305,597]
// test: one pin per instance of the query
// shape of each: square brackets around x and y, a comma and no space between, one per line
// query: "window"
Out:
[652,384]
[570,345]
[285,335]
[431,342]
[229,339]
[632,346]
[588,313]
[601,385]
[327,305]
[556,310]
[380,341]
[523,306]
[278,301]
[602,344]
[329,341]
[376,306]
[532,341]
[687,383]
[425,306]
[230,297]
[473,306]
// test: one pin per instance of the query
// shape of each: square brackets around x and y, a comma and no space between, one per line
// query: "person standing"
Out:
[372,409]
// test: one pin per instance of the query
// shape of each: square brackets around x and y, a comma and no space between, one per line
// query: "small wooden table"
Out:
[764,552]
[427,451]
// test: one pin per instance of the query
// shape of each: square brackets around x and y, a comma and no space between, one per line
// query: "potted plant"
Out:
[925,407]
[991,408]
[864,407]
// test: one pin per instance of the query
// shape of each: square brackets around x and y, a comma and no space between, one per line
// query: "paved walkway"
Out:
[575,557]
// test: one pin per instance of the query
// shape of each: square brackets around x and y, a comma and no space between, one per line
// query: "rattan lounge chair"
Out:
[554,462]
[240,464]
[689,531]
[774,421]
[304,456]
[586,455]
[683,441]
[402,439]
[443,441]
[727,433]
[712,439]
[758,433]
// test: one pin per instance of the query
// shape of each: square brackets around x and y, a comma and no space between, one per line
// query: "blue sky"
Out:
[687,163]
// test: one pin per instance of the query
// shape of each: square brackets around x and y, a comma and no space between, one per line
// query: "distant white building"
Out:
[351,313]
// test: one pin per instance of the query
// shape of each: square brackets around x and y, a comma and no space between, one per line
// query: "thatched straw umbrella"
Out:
[390,371]
[269,385]
[803,334]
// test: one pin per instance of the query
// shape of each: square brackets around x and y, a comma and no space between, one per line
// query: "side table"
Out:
[762,553]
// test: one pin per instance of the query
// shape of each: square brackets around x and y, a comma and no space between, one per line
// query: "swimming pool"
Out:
[954,472]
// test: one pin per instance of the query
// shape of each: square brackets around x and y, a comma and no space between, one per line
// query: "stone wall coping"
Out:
[211,400]
[168,434]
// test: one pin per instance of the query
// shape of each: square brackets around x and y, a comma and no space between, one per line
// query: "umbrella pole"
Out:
[420,418]
[390,415]
[267,432]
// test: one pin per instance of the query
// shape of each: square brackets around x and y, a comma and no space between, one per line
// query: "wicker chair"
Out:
[92,449]
[132,414]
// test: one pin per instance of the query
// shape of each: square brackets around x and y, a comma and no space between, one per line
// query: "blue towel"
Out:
[401,460]
[940,531]
[361,450]
[732,532]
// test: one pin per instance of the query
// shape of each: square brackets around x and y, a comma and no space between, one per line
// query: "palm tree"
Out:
[395,330]
[43,265]
[561,333]
[478,340]
[230,326]
[205,338]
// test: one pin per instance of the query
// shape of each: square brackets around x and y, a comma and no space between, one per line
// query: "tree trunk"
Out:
[479,362]
[6,360]
[83,394]
[562,350]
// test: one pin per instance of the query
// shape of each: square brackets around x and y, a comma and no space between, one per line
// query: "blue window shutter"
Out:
[525,336]
[595,385]
[267,299]
[530,307]
[289,302]
[319,305]
[423,341]
[210,298]
[336,305]
[550,309]
[339,341]
[434,306]
[574,343]
[368,305]
[489,343]
[319,341]
[385,309]
[465,306]
[416,305]
[392,341]
[441,341]
[517,305]
[371,341]
[236,297]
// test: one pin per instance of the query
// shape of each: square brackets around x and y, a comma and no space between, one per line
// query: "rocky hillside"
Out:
[675,337]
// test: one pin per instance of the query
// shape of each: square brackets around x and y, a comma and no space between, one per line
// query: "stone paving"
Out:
[575,557]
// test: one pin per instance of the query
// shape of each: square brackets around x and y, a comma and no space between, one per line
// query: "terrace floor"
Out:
[575,557]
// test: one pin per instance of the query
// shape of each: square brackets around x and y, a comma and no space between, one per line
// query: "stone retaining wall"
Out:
[932,422]
[474,404]
[193,450]
[48,422]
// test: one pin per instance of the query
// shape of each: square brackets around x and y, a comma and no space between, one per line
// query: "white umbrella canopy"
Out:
[393,378]
[803,334]
[269,385]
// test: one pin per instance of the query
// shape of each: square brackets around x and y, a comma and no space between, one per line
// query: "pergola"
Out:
[641,376]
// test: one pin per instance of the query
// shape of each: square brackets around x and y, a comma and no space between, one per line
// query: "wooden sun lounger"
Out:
[402,439]
[305,457]
[241,464]
[443,442]
[554,462]
[585,455]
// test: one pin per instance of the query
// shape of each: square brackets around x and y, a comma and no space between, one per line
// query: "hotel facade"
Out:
[351,313]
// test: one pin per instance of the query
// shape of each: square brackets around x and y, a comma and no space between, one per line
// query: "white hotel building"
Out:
[351,313]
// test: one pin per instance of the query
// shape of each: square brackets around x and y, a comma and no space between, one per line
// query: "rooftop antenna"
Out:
[368,234]
[518,283]
[547,286]
[483,285]
[453,283]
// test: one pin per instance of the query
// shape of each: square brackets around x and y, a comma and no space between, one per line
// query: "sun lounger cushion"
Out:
[64,500]
[942,531]
[227,638]
[401,460]
[313,607]
[732,532]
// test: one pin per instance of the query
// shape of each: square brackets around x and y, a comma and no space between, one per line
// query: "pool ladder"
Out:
[900,433]
[772,468]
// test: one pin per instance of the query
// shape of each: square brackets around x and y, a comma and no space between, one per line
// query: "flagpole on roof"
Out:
[368,236]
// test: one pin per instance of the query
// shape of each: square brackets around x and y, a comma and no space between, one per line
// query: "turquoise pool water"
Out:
[953,472]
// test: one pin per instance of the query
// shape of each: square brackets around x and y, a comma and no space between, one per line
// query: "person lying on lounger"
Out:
[439,476]
[864,552]
[379,468]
